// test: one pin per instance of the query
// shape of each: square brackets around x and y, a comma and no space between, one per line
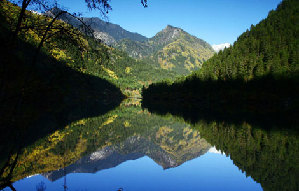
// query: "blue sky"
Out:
[215,21]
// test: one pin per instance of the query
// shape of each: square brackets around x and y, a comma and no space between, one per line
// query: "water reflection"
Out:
[269,157]
[269,154]
[133,149]
[123,134]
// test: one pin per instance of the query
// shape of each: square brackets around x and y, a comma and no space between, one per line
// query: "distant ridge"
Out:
[107,32]
[114,30]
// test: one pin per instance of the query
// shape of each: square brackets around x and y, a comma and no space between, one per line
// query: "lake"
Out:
[129,148]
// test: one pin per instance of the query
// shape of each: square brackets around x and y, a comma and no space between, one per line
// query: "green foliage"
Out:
[141,73]
[270,47]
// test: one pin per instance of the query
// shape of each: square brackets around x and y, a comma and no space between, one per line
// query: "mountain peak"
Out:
[168,33]
[171,28]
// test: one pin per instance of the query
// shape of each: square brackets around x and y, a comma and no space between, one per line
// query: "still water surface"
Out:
[208,172]
[132,149]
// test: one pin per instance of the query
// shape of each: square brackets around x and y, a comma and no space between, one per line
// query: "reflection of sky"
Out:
[208,172]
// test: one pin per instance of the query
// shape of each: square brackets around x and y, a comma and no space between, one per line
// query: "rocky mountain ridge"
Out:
[105,31]
[171,49]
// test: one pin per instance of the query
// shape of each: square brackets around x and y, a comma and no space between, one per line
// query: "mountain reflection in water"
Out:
[123,147]
[131,149]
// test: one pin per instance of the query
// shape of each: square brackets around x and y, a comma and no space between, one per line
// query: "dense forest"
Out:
[258,75]
[270,47]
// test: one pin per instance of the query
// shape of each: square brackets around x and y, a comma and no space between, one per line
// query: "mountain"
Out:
[133,61]
[171,49]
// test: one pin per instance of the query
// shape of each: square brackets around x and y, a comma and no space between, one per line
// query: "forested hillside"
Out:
[85,55]
[270,47]
[257,76]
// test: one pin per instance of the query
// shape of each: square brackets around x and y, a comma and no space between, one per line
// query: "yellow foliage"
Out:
[128,70]
[110,73]
[187,131]
[163,131]
[181,48]
[80,122]
[127,124]
[109,120]
[33,35]
[59,54]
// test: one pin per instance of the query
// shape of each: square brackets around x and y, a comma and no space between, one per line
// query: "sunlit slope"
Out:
[171,49]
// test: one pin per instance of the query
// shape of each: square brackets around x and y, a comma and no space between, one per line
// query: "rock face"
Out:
[104,37]
[115,31]
[102,159]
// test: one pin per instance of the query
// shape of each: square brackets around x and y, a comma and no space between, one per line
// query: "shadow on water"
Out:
[269,102]
[38,99]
